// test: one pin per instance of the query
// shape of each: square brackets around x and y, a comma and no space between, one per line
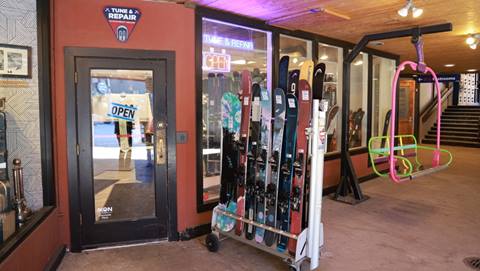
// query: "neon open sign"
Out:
[227,42]
[216,62]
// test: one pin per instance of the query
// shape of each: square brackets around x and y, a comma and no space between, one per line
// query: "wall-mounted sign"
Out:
[440,77]
[227,42]
[122,111]
[122,21]
[216,62]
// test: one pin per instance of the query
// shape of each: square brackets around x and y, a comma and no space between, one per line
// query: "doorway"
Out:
[125,146]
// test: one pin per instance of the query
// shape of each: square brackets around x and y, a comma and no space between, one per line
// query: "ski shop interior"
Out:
[239,135]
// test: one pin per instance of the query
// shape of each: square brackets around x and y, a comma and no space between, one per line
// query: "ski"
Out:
[283,73]
[279,107]
[293,78]
[286,169]
[262,162]
[318,79]
[299,166]
[252,167]
[231,111]
[246,99]
[306,72]
[386,124]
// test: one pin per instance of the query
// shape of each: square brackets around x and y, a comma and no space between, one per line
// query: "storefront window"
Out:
[383,72]
[358,101]
[227,50]
[297,49]
[333,58]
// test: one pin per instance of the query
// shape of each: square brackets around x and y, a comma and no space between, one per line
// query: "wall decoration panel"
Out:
[18,26]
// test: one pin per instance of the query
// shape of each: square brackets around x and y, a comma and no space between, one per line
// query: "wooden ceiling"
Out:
[367,17]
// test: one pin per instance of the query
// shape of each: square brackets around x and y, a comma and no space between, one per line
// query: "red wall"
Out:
[37,249]
[161,27]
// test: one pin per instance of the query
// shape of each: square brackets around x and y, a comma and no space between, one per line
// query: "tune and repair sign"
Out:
[122,20]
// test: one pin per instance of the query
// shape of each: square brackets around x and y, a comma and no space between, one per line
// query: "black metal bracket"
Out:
[348,189]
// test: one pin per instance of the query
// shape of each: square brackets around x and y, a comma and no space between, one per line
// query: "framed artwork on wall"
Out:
[15,61]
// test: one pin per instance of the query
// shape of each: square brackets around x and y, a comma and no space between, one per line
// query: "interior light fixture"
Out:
[239,62]
[471,70]
[358,62]
[324,56]
[449,65]
[473,40]
[295,60]
[416,12]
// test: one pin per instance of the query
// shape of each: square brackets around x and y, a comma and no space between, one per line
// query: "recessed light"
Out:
[377,43]
[471,70]
[449,65]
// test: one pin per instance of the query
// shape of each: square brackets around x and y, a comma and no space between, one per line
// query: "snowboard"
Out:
[279,107]
[246,99]
[306,72]
[286,169]
[293,77]
[252,167]
[262,162]
[299,166]
[318,79]
[283,73]
[231,113]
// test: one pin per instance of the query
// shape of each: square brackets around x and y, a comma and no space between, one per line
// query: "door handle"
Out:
[161,147]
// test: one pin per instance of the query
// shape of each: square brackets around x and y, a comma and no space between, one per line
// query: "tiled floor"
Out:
[431,223]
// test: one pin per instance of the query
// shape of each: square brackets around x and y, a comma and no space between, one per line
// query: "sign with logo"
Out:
[216,62]
[121,111]
[441,78]
[122,20]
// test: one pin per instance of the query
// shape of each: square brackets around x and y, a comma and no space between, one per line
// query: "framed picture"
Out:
[15,61]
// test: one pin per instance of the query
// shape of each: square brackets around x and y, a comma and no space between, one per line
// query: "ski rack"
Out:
[310,240]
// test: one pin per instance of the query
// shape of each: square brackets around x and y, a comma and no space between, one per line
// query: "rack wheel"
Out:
[212,242]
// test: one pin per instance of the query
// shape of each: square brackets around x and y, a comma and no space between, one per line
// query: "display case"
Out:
[332,57]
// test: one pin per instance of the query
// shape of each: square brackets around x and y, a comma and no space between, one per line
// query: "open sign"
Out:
[121,111]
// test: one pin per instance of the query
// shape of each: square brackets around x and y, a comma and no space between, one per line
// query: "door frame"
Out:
[71,118]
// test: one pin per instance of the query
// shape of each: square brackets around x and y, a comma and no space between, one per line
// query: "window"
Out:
[383,72]
[333,59]
[227,50]
[358,101]
[297,49]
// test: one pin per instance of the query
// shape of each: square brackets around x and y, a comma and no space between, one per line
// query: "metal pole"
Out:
[313,180]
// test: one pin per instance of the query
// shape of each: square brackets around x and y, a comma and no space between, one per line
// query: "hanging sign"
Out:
[122,21]
[216,62]
[440,77]
[121,111]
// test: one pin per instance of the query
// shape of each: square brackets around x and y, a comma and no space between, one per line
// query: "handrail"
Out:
[427,112]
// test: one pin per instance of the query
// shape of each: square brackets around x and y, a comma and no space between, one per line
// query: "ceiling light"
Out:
[295,60]
[239,62]
[470,40]
[449,65]
[358,63]
[251,62]
[416,12]
[471,70]
[324,57]
[403,11]
[473,40]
